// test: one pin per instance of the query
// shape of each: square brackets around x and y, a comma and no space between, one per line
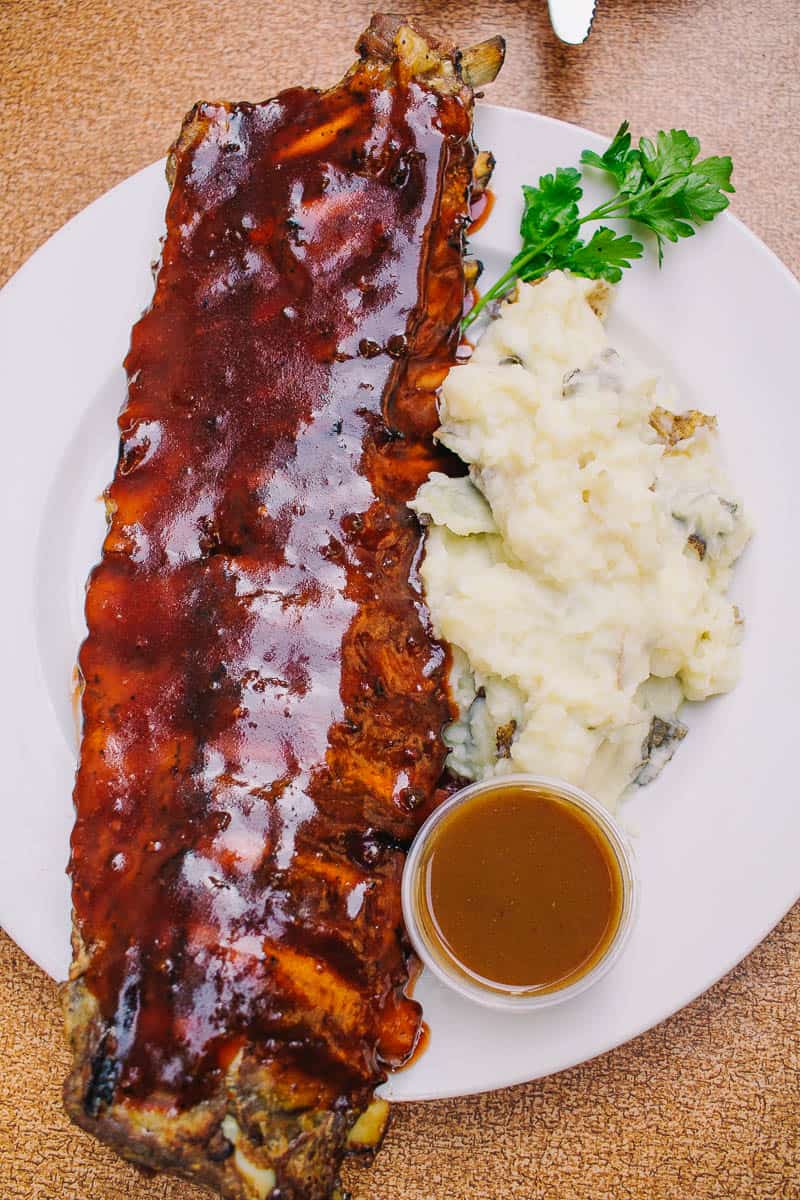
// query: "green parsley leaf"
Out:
[552,206]
[615,158]
[667,215]
[673,154]
[619,160]
[604,256]
[718,170]
[555,257]
[704,188]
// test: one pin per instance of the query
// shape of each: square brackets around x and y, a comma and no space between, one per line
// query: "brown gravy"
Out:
[521,888]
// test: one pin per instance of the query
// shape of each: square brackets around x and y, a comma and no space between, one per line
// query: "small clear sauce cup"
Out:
[431,948]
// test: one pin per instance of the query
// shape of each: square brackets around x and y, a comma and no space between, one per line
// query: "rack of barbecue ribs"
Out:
[263,697]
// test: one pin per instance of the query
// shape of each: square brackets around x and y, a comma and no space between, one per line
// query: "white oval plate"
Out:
[718,835]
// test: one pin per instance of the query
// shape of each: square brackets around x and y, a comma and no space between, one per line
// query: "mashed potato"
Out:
[580,570]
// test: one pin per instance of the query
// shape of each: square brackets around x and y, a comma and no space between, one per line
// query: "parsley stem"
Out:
[622,201]
[497,289]
[501,286]
[604,210]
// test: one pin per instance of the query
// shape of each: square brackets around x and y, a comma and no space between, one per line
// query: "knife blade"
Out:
[571,19]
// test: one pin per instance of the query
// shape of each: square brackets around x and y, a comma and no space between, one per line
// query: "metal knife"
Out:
[571,19]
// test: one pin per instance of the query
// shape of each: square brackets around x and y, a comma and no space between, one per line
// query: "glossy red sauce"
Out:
[480,210]
[263,697]
[76,688]
[422,1043]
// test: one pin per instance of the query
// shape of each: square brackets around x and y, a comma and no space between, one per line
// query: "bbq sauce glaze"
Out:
[263,697]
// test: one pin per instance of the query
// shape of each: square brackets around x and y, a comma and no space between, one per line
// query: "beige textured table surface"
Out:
[706,1105]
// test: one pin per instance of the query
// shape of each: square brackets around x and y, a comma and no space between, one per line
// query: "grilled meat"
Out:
[263,697]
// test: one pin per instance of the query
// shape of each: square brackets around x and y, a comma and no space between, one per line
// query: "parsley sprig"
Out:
[660,185]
